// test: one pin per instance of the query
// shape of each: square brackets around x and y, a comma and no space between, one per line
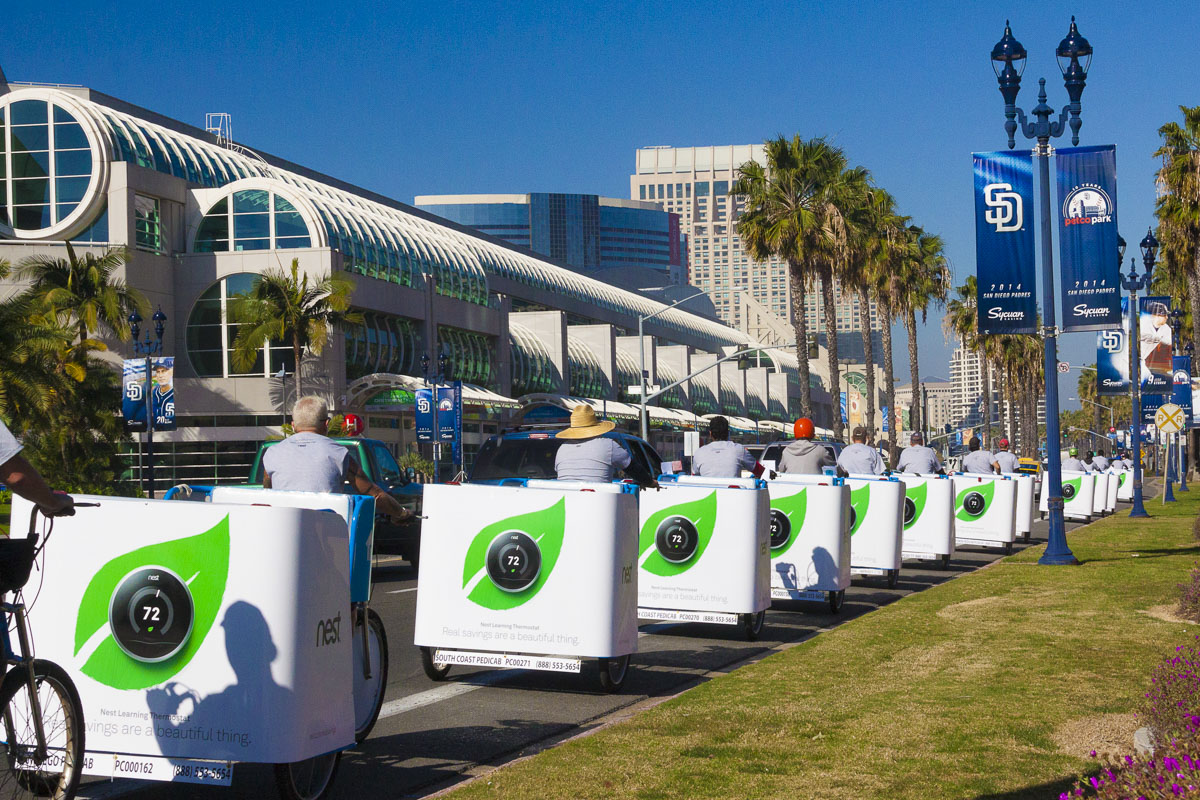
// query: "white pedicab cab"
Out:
[1100,494]
[703,551]
[876,526]
[531,574]
[985,510]
[1124,485]
[1025,502]
[810,538]
[1078,492]
[928,517]
[200,635]
[1113,481]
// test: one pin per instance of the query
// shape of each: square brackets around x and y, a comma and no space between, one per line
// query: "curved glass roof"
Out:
[532,368]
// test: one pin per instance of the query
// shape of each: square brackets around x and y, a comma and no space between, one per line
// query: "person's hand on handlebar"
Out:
[65,508]
[21,476]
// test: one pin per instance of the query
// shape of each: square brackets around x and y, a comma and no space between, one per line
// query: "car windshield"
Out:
[516,458]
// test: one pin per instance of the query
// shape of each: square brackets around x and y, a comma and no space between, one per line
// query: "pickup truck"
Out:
[379,465]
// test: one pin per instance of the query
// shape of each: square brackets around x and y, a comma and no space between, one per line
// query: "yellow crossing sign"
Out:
[1170,418]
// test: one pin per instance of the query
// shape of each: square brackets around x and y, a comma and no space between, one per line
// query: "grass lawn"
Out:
[5,514]
[977,688]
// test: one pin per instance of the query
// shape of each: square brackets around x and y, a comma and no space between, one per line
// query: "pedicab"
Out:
[529,574]
[1124,485]
[876,526]
[985,510]
[1078,493]
[201,635]
[928,517]
[704,551]
[810,538]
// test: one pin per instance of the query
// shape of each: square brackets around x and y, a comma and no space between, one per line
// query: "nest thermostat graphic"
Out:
[676,539]
[781,529]
[974,504]
[513,561]
[150,614]
[1068,491]
[910,510]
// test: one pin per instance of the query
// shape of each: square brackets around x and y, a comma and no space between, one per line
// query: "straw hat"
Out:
[584,424]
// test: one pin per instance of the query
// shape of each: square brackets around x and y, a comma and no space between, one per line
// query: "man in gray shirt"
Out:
[1073,463]
[918,458]
[588,455]
[307,461]
[1099,462]
[979,461]
[722,458]
[859,458]
[804,456]
[1007,461]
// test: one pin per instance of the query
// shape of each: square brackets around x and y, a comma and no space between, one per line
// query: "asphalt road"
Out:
[433,735]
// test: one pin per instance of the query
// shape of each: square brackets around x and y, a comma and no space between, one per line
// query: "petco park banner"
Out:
[1004,242]
[1087,238]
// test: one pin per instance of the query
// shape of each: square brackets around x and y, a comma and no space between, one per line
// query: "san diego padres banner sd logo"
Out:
[1004,213]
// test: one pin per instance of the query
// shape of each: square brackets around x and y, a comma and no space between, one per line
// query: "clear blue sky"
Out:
[514,97]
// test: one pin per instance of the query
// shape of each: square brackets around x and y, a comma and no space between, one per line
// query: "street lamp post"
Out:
[1176,328]
[149,349]
[1133,284]
[644,414]
[1008,61]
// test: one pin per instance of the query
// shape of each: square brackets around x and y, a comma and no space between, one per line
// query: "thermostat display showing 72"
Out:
[676,539]
[513,561]
[151,614]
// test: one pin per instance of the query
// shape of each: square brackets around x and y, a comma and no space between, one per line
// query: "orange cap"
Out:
[803,429]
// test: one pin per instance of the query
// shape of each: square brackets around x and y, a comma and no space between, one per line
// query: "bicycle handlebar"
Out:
[33,515]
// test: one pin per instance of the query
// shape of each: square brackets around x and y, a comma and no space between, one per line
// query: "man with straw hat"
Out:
[587,454]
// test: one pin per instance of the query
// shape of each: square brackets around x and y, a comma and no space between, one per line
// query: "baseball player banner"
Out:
[1156,345]
[1087,237]
[133,393]
[1007,272]
[1112,357]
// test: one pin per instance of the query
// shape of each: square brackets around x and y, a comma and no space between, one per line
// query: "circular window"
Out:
[48,166]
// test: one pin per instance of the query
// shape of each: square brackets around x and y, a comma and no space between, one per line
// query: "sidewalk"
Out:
[994,685]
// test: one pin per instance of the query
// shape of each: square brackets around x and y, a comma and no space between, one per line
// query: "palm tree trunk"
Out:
[1193,284]
[1010,400]
[889,380]
[835,378]
[800,325]
[987,400]
[910,328]
[864,317]
[297,349]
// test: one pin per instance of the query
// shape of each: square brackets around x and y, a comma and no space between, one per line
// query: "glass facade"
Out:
[45,164]
[210,334]
[532,368]
[253,219]
[383,343]
[148,234]
[468,355]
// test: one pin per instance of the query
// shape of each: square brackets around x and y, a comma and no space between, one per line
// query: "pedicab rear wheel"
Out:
[835,601]
[309,779]
[613,672]
[435,672]
[368,692]
[753,624]
[893,578]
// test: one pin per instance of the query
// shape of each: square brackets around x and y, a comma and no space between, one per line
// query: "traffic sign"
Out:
[1064,367]
[1170,418]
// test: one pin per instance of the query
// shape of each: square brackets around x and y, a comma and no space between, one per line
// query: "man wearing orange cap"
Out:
[1007,461]
[804,456]
[588,455]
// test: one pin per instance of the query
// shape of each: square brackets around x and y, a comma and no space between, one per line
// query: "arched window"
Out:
[252,219]
[46,164]
[211,334]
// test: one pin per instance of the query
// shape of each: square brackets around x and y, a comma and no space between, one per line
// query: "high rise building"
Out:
[624,242]
[694,182]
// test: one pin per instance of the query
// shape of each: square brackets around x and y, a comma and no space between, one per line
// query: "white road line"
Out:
[402,591]
[451,690]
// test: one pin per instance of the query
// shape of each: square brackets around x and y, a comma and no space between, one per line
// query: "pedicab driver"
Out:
[804,456]
[918,458]
[722,458]
[19,475]
[1007,461]
[1073,463]
[307,461]
[979,461]
[1099,462]
[587,454]
[859,458]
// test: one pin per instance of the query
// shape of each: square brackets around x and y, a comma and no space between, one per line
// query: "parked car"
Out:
[1030,466]
[529,453]
[380,466]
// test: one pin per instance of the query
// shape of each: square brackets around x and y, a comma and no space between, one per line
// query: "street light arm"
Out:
[704,369]
[668,308]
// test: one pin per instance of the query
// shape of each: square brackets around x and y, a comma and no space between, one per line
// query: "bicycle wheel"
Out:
[309,779]
[22,773]
[368,692]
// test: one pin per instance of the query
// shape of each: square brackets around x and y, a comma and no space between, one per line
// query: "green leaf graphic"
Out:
[1121,478]
[986,488]
[202,561]
[860,499]
[794,507]
[546,527]
[1077,483]
[703,515]
[917,494]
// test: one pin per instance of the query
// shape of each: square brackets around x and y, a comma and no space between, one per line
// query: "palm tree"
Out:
[868,225]
[83,292]
[888,288]
[1178,207]
[924,275]
[282,306]
[30,348]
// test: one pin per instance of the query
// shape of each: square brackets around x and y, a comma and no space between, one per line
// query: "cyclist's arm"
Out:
[384,502]
[20,476]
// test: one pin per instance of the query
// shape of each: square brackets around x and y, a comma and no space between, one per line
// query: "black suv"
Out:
[529,453]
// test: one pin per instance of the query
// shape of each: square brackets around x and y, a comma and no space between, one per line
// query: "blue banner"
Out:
[162,394]
[1112,357]
[1181,393]
[1155,344]
[1150,404]
[886,429]
[1007,272]
[449,412]
[424,415]
[845,420]
[1087,238]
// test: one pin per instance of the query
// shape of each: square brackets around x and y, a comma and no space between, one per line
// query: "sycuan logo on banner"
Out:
[1004,242]
[1087,238]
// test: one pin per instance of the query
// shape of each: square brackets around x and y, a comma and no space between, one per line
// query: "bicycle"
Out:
[42,715]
